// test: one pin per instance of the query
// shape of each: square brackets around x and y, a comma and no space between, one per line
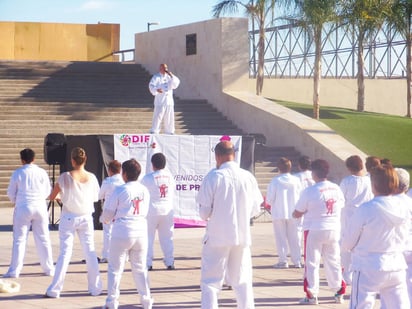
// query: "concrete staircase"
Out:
[81,98]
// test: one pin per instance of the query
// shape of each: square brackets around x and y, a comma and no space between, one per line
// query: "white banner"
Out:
[189,159]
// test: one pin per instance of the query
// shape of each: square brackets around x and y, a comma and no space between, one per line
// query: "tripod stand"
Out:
[52,202]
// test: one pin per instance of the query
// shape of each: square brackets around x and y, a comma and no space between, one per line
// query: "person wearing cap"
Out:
[28,189]
[161,86]
[321,205]
[406,201]
[228,197]
[376,236]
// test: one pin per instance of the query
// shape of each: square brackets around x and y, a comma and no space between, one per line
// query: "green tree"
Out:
[401,19]
[259,11]
[313,15]
[366,17]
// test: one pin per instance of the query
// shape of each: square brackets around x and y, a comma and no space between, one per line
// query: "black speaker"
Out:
[55,145]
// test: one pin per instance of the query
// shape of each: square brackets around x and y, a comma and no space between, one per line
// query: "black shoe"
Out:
[171,267]
[150,268]
[98,260]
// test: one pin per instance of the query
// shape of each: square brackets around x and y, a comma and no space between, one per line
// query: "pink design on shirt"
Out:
[329,206]
[136,201]
[163,190]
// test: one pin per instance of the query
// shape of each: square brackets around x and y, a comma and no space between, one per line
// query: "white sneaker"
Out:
[281,265]
[339,299]
[10,275]
[298,265]
[309,301]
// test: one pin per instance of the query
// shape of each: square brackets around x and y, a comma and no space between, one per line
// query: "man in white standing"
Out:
[228,197]
[320,205]
[110,183]
[282,194]
[356,189]
[161,186]
[161,86]
[28,189]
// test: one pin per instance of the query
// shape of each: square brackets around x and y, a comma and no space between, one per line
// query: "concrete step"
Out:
[84,98]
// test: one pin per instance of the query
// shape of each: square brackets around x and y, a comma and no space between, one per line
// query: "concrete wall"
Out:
[219,73]
[57,41]
[219,62]
[387,96]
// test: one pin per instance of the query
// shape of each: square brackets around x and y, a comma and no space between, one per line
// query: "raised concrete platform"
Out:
[273,288]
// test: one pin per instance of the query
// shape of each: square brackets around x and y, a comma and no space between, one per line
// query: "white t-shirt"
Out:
[377,233]
[305,178]
[128,206]
[356,190]
[282,195]
[167,84]
[321,204]
[29,186]
[108,186]
[228,197]
[161,186]
[78,197]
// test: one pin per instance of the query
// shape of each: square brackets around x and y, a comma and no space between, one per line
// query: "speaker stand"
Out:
[52,202]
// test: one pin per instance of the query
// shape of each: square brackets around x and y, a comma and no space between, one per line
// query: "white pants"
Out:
[346,261]
[165,226]
[391,286]
[325,244]
[68,226]
[286,236]
[136,249]
[409,280]
[107,234]
[37,218]
[165,113]
[234,263]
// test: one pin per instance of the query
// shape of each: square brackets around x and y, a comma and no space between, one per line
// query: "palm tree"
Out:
[313,15]
[401,19]
[257,11]
[366,17]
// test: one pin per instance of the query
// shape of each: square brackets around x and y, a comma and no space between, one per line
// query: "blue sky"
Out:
[132,15]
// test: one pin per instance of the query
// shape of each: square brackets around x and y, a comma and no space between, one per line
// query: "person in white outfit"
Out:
[114,180]
[78,191]
[357,190]
[305,174]
[161,86]
[320,205]
[376,236]
[282,195]
[161,186]
[406,201]
[127,207]
[28,189]
[228,197]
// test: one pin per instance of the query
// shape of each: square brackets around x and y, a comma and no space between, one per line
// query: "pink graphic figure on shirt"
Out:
[163,190]
[329,206]
[136,201]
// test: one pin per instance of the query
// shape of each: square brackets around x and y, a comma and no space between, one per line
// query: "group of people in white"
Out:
[132,214]
[361,229]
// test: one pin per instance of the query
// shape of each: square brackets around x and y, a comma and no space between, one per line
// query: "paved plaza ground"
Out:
[273,288]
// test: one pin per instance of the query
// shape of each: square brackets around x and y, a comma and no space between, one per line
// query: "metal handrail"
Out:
[117,52]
